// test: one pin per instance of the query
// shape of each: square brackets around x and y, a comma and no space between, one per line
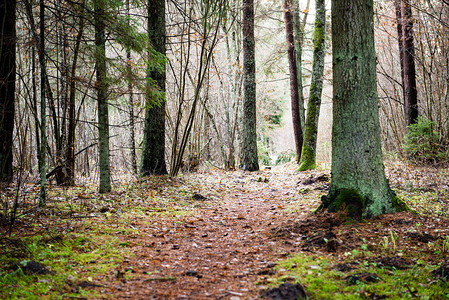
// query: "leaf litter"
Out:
[221,235]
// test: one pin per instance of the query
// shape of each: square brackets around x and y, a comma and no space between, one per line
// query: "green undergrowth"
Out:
[426,202]
[322,281]
[316,270]
[81,236]
[81,255]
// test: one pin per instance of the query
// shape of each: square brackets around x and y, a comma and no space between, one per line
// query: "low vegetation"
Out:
[83,244]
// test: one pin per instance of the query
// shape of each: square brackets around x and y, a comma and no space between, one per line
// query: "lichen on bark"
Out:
[357,163]
[249,159]
[308,153]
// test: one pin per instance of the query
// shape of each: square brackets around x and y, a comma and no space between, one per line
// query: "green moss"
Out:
[89,253]
[350,200]
[320,25]
[307,165]
[307,161]
[321,281]
[318,35]
[400,205]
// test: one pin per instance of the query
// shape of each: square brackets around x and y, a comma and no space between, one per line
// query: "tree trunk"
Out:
[34,104]
[7,86]
[43,150]
[308,154]
[249,159]
[153,151]
[294,90]
[398,5]
[299,42]
[102,90]
[409,72]
[61,105]
[132,134]
[71,127]
[358,181]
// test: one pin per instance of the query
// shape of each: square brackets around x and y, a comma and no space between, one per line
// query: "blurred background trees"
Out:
[203,90]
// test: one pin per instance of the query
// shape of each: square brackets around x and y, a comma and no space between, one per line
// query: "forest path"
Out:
[223,250]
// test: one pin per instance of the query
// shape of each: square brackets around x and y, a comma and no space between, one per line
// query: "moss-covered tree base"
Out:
[307,161]
[358,207]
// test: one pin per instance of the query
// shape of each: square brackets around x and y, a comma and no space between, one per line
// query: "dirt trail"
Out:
[221,251]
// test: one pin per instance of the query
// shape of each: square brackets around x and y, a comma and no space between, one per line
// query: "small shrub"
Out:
[421,143]
[264,154]
[285,157]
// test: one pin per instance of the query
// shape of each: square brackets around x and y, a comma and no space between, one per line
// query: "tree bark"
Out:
[70,148]
[398,5]
[153,151]
[358,181]
[43,150]
[308,154]
[409,73]
[102,101]
[294,89]
[7,86]
[249,159]
[299,42]
[132,134]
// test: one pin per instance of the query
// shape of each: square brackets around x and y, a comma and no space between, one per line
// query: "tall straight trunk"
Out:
[7,86]
[102,90]
[37,41]
[398,5]
[61,96]
[153,150]
[299,42]
[409,72]
[294,89]
[249,159]
[71,127]
[230,160]
[34,102]
[358,181]
[132,136]
[308,154]
[43,150]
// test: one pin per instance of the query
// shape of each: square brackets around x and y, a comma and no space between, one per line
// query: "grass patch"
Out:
[322,281]
[82,237]
[80,256]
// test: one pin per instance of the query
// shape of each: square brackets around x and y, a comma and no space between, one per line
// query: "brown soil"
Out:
[220,252]
[243,223]
[246,223]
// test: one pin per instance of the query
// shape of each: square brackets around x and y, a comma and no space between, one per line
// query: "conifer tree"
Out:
[7,86]
[249,159]
[358,180]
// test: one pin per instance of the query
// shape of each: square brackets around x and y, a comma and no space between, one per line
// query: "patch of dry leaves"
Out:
[247,223]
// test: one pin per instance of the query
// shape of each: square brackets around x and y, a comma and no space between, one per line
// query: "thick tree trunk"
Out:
[153,151]
[7,86]
[294,90]
[409,73]
[358,179]
[249,159]
[308,155]
[102,90]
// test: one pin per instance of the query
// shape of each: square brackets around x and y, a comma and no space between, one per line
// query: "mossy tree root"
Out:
[356,206]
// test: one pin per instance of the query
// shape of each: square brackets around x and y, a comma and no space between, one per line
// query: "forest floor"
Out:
[227,235]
